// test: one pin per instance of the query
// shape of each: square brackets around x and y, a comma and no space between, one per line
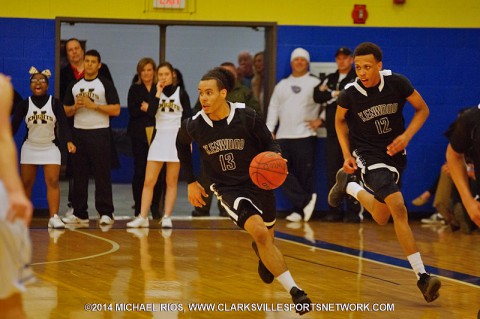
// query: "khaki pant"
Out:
[443,198]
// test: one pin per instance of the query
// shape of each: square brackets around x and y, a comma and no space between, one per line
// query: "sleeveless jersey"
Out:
[227,146]
[40,123]
[375,115]
[169,112]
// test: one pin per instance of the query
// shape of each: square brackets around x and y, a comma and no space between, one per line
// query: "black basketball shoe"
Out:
[338,190]
[265,274]
[429,286]
[303,304]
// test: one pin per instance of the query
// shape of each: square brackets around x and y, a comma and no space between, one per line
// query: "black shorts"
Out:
[243,201]
[380,173]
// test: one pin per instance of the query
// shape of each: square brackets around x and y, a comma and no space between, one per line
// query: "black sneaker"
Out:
[265,274]
[429,286]
[303,304]
[338,190]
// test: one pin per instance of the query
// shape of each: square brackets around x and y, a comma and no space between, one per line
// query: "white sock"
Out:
[416,263]
[353,188]
[287,281]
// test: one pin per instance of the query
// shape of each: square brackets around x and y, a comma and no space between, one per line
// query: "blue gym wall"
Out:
[442,64]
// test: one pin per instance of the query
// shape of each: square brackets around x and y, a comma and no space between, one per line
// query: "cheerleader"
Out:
[170,105]
[41,113]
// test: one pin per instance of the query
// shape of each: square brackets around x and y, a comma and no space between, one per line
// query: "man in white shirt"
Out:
[292,108]
[91,101]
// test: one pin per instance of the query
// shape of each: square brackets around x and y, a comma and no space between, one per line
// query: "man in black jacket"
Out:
[326,93]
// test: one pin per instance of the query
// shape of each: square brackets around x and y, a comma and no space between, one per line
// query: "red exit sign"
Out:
[169,4]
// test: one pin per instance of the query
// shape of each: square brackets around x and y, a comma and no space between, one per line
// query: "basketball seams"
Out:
[268,170]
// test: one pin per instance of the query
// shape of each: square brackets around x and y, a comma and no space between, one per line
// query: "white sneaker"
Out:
[55,222]
[294,217]
[139,221]
[308,210]
[166,222]
[106,220]
[68,212]
[72,219]
[435,218]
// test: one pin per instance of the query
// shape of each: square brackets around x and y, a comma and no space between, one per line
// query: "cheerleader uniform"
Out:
[41,115]
[172,106]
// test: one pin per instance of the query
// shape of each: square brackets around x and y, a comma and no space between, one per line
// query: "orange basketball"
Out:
[268,170]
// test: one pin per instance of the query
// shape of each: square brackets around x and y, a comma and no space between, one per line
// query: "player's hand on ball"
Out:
[196,193]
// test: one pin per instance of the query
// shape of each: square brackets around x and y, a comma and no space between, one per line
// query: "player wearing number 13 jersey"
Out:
[370,128]
[229,136]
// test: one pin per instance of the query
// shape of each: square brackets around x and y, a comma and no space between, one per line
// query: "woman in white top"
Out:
[42,114]
[170,105]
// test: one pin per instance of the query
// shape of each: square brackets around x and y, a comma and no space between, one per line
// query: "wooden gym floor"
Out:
[348,270]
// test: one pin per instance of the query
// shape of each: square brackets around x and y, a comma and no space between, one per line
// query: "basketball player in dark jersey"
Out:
[229,136]
[373,142]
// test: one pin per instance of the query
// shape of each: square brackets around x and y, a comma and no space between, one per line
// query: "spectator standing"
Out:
[70,73]
[326,94]
[140,126]
[259,78]
[91,101]
[293,109]
[170,105]
[245,68]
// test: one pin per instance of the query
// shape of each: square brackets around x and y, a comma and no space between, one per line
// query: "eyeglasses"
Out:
[38,81]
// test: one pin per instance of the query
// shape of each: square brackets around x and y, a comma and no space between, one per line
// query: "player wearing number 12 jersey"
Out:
[229,136]
[372,134]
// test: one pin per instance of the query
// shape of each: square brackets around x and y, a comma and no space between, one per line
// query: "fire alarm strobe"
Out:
[359,13]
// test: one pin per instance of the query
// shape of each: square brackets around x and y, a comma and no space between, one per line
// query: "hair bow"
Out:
[45,72]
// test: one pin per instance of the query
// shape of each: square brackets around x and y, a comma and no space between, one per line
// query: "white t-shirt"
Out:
[101,92]
[291,105]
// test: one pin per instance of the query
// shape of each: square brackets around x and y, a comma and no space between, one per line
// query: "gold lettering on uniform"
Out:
[224,144]
[377,111]
[170,106]
[90,94]
[41,117]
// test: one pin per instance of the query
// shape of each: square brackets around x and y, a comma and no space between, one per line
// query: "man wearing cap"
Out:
[292,107]
[326,94]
